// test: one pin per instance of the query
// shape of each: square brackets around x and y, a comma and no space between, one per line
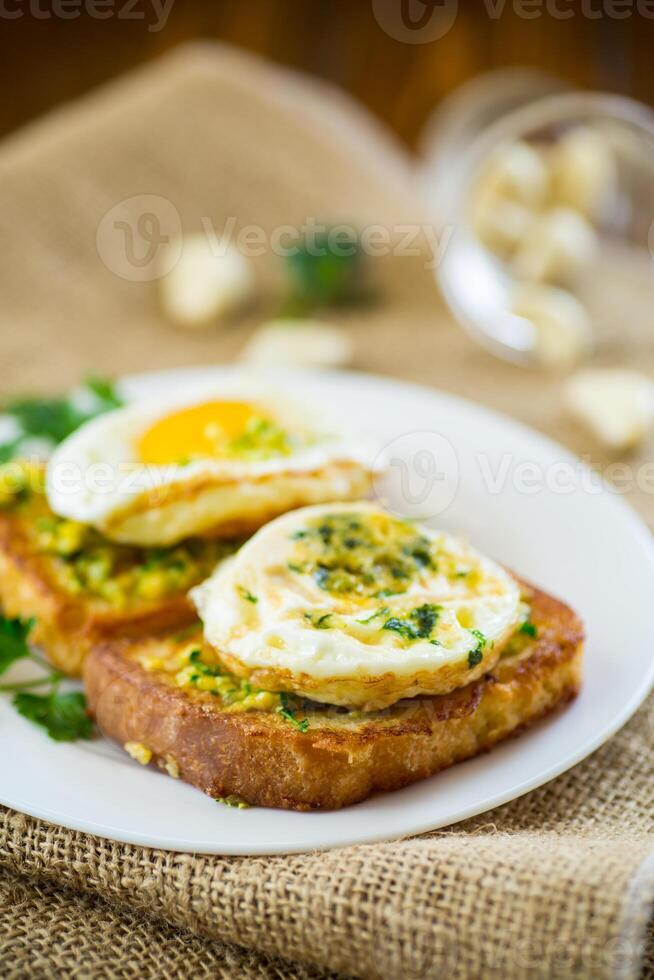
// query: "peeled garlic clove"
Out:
[562,326]
[516,171]
[500,224]
[209,282]
[558,244]
[305,342]
[583,171]
[616,405]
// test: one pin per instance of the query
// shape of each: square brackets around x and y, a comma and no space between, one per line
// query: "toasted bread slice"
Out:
[81,588]
[302,755]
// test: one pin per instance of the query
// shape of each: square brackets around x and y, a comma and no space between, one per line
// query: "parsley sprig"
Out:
[326,270]
[54,419]
[62,714]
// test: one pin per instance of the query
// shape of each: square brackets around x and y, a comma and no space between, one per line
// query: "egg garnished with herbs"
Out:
[211,463]
[347,604]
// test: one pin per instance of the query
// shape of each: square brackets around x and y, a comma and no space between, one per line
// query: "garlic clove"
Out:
[210,281]
[515,171]
[583,171]
[500,224]
[558,244]
[562,326]
[616,405]
[299,342]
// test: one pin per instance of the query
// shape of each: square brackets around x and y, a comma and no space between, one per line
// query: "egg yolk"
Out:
[201,431]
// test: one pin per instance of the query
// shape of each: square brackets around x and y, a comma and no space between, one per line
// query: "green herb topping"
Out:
[319,622]
[261,439]
[369,619]
[418,625]
[82,562]
[475,656]
[362,555]
[287,710]
[529,629]
[200,669]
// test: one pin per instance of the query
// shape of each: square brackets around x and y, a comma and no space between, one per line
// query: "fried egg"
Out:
[349,605]
[208,463]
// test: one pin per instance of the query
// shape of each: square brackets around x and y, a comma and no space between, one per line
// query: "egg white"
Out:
[95,476]
[261,617]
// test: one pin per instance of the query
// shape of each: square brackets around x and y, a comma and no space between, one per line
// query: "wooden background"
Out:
[45,59]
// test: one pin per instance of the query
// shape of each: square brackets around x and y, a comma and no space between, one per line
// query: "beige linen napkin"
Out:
[559,883]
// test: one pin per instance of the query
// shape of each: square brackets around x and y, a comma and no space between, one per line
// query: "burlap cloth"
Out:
[557,884]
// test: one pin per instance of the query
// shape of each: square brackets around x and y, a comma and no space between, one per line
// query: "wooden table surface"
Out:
[46,60]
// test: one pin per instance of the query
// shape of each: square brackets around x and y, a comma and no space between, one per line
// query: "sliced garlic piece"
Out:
[558,244]
[563,328]
[616,405]
[583,171]
[306,342]
[209,281]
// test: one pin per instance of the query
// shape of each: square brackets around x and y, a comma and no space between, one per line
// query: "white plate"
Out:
[583,544]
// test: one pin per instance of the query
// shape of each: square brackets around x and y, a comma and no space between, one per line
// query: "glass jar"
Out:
[574,239]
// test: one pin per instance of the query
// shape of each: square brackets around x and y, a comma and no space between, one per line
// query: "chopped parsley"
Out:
[247,595]
[528,628]
[261,439]
[287,710]
[321,623]
[475,656]
[200,669]
[360,554]
[83,561]
[418,625]
[369,619]
[420,555]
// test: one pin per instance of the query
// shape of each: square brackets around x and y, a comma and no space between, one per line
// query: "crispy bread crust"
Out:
[262,759]
[68,626]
